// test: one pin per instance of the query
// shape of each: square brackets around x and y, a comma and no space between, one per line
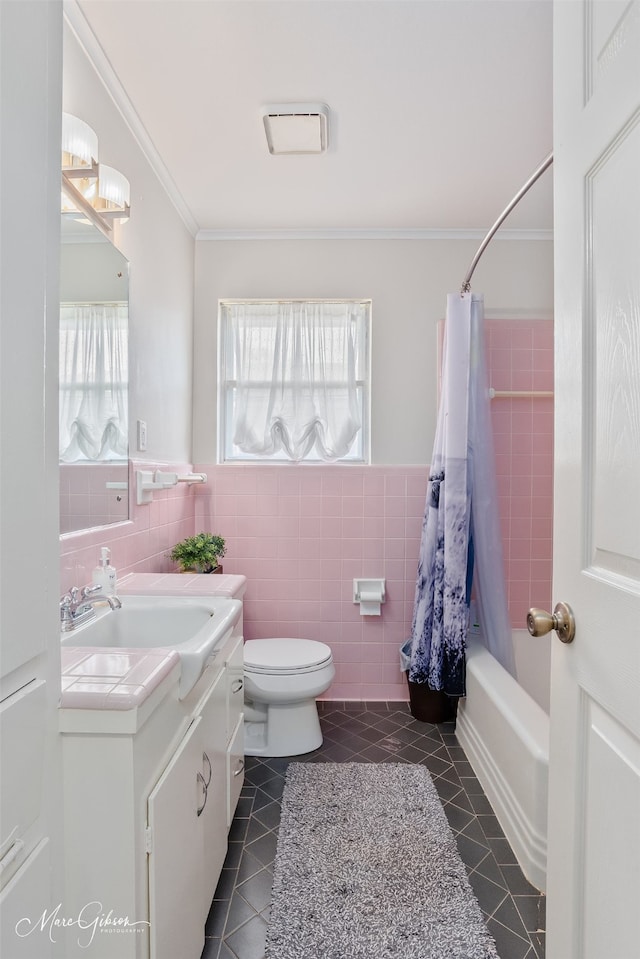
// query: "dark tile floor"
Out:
[375,733]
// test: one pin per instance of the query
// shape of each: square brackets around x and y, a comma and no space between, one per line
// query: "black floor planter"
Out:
[430,705]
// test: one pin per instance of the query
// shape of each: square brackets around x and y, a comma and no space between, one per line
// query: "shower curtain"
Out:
[460,543]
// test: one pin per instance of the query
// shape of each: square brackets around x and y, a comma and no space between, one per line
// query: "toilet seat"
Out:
[285,657]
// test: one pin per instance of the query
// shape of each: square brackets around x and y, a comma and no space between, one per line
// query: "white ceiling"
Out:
[440,109]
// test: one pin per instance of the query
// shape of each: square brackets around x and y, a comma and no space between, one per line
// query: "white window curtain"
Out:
[93,381]
[295,367]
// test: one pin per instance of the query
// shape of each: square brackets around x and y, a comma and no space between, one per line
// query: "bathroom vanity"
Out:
[149,795]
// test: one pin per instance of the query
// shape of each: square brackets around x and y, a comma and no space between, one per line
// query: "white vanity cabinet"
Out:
[148,804]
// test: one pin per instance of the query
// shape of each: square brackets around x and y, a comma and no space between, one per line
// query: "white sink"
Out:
[192,625]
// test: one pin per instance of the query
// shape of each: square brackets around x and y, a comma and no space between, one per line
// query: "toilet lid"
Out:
[284,655]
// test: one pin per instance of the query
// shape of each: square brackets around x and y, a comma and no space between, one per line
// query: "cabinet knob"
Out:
[237,685]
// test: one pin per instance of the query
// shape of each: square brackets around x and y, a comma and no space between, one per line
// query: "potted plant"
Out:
[199,553]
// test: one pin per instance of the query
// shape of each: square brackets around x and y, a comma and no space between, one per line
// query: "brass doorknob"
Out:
[540,622]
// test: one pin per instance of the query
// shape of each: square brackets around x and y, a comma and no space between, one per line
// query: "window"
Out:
[93,381]
[294,380]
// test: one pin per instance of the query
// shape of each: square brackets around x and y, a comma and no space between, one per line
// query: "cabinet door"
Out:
[235,727]
[214,746]
[235,687]
[235,769]
[176,859]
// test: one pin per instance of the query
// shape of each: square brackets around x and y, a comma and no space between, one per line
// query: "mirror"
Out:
[94,289]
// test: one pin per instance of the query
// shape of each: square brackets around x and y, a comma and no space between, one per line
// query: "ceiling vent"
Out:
[296,128]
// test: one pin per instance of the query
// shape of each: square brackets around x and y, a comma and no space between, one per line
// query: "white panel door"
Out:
[23,901]
[22,766]
[594,792]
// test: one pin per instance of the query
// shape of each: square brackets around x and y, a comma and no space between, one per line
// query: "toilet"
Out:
[282,678]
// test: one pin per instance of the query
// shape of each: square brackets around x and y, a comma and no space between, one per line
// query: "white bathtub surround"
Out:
[533,665]
[505,735]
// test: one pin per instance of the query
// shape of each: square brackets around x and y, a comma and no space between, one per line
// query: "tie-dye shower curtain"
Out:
[460,530]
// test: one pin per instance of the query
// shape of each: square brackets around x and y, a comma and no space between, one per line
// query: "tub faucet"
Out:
[77,606]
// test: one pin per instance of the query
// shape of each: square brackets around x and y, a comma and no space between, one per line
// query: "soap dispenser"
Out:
[104,574]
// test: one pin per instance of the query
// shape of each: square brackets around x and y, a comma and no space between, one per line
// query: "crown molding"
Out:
[100,62]
[370,234]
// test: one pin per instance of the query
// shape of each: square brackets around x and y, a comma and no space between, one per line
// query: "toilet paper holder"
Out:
[369,593]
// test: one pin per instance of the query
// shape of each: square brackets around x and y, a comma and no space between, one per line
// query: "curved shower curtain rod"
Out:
[466,283]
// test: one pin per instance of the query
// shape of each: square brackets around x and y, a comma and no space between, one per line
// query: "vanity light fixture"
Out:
[296,128]
[90,189]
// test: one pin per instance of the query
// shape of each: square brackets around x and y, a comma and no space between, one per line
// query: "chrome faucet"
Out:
[77,606]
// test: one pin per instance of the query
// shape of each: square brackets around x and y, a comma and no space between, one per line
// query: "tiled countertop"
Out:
[102,678]
[181,584]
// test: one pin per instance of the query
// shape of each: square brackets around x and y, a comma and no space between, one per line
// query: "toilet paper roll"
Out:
[369,608]
[369,596]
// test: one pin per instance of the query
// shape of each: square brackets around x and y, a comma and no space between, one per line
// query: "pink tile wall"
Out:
[301,535]
[138,545]
[520,358]
[85,499]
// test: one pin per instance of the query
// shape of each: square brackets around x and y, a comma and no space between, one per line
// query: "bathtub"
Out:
[505,735]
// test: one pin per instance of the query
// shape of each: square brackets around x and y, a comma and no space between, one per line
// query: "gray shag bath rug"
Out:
[367,868]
